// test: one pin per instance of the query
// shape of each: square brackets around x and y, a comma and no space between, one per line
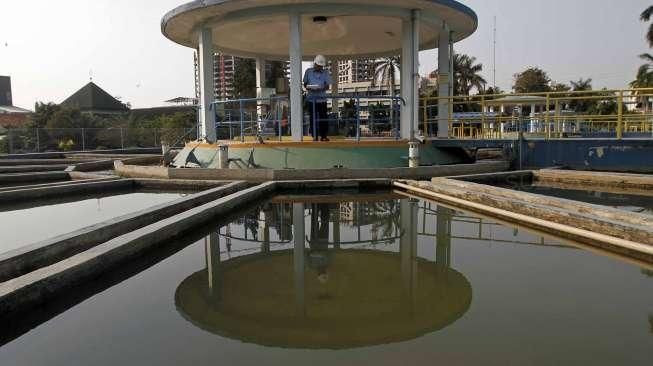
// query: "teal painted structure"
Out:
[316,157]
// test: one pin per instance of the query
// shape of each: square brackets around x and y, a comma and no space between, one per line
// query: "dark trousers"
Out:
[318,110]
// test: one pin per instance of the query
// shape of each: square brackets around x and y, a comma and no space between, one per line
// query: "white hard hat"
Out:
[320,60]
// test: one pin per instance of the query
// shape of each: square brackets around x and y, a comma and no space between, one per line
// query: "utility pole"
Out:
[494,56]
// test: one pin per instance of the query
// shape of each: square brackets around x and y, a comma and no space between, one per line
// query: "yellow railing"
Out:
[611,113]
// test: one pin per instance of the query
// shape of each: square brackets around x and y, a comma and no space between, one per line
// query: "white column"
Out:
[260,84]
[408,211]
[296,107]
[207,86]
[409,75]
[212,248]
[532,124]
[299,234]
[445,78]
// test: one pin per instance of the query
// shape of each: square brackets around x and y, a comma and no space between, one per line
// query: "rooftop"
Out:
[93,98]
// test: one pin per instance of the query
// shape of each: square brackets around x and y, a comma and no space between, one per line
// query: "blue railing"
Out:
[265,117]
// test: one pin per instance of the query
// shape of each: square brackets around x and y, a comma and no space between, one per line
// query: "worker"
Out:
[317,81]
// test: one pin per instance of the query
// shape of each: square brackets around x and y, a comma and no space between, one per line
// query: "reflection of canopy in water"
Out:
[367,300]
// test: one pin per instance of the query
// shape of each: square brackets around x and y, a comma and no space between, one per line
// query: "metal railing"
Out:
[24,140]
[349,117]
[599,113]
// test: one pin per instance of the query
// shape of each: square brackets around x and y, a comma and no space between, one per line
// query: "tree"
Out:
[532,80]
[467,75]
[645,17]
[278,70]
[245,78]
[643,79]
[385,74]
[580,106]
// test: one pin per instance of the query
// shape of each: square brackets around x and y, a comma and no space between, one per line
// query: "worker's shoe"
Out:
[325,139]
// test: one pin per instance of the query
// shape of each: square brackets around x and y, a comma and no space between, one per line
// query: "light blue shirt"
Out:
[322,78]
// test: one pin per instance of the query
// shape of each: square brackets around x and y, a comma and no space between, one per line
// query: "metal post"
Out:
[122,139]
[83,141]
[242,122]
[279,117]
[358,119]
[557,118]
[546,117]
[223,156]
[314,114]
[37,140]
[620,115]
[483,119]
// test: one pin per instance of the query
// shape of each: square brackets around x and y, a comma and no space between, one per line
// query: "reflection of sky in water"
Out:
[534,300]
[29,225]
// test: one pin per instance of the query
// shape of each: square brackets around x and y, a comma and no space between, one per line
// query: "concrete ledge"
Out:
[36,287]
[177,184]
[620,180]
[71,188]
[32,168]
[492,178]
[33,177]
[58,184]
[554,222]
[48,155]
[265,175]
[31,257]
[20,162]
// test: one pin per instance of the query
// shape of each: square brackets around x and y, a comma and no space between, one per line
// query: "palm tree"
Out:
[581,85]
[645,17]
[467,75]
[644,79]
[385,74]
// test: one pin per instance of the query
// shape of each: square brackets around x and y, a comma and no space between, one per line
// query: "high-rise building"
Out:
[5,91]
[223,76]
[356,71]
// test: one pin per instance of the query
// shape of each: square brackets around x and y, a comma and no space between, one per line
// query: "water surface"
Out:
[35,221]
[379,282]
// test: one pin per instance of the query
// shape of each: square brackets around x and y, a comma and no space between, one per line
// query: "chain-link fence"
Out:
[15,141]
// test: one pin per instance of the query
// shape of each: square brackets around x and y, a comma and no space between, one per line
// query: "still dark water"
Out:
[377,281]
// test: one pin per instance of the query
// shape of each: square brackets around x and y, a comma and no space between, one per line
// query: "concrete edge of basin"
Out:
[39,285]
[29,258]
[632,249]
[78,187]
[264,175]
[33,177]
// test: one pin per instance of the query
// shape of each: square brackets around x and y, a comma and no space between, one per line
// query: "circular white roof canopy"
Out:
[353,28]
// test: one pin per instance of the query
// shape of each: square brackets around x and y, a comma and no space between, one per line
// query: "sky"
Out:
[52,48]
